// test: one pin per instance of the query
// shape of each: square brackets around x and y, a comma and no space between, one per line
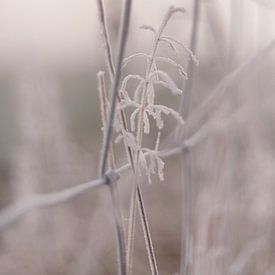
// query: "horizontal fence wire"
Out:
[12,213]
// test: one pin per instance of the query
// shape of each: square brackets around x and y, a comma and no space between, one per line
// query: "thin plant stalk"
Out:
[187,240]
[121,247]
[124,29]
[112,182]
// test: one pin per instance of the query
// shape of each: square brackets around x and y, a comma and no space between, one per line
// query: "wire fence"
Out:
[11,214]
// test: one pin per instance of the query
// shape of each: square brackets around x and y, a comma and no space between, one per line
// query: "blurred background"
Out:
[50,52]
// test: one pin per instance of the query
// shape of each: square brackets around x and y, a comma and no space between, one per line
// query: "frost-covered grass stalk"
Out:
[143,103]
[143,106]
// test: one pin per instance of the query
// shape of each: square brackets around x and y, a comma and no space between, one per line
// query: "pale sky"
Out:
[67,30]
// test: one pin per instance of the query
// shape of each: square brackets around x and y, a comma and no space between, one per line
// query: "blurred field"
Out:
[50,52]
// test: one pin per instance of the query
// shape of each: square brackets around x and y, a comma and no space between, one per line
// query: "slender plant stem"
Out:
[186,158]
[121,247]
[107,44]
[112,182]
[148,239]
[124,29]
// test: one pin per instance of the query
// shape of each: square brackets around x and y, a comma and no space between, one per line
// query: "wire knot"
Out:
[111,176]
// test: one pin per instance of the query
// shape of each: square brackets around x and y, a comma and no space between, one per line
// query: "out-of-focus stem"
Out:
[186,158]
